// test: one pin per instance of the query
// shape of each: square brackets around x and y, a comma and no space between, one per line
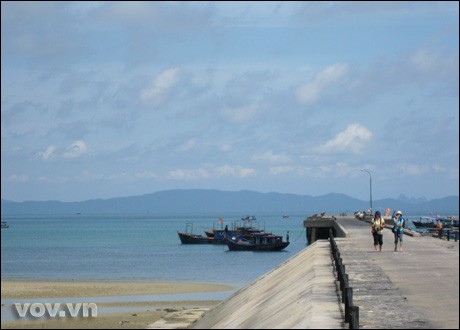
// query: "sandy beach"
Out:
[142,314]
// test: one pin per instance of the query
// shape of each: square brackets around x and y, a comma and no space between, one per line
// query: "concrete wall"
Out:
[300,293]
[317,227]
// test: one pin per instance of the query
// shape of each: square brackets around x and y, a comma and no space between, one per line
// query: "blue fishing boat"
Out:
[258,242]
[215,236]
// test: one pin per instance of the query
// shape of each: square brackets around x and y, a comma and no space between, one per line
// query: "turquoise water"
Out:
[136,247]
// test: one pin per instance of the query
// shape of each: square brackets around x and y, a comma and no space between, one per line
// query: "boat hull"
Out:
[248,246]
[187,238]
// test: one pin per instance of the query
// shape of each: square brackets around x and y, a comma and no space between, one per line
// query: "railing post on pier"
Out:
[351,312]
[354,318]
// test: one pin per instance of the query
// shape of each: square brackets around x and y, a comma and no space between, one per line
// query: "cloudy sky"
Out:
[111,99]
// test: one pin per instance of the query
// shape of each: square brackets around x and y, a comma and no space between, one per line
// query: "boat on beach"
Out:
[258,242]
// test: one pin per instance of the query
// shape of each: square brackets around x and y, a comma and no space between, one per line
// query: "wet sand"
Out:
[142,314]
[15,289]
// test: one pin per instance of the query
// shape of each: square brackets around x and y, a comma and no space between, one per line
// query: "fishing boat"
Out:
[425,222]
[258,242]
[189,238]
[221,234]
[430,222]
[238,229]
[215,236]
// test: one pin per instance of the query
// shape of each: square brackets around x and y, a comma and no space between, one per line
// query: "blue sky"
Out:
[110,99]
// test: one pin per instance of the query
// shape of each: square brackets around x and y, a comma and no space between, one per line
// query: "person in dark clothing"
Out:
[377,224]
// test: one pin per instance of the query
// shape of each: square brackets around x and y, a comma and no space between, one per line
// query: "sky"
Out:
[114,99]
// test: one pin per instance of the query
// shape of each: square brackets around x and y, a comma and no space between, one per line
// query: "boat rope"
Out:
[303,230]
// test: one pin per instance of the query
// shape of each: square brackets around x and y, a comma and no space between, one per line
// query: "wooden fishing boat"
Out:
[258,242]
[189,238]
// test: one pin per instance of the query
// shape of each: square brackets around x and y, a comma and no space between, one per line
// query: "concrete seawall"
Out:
[417,288]
[300,293]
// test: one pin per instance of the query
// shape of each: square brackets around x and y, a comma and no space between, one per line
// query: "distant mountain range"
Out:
[245,202]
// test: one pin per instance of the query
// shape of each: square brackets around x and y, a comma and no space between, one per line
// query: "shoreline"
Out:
[31,289]
[121,310]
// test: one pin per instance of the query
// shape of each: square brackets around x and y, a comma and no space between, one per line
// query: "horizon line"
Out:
[229,191]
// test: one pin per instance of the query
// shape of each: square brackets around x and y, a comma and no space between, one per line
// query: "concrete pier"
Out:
[317,227]
[417,288]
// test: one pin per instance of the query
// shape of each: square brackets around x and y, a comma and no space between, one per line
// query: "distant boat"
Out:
[285,216]
[215,236]
[218,236]
[189,238]
[430,222]
[5,224]
[258,242]
[249,218]
[221,234]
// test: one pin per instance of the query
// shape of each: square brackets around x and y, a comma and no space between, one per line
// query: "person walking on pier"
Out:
[398,230]
[377,224]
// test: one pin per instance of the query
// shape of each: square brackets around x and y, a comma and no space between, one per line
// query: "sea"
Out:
[138,247]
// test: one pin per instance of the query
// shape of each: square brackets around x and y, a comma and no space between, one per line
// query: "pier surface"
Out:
[417,288]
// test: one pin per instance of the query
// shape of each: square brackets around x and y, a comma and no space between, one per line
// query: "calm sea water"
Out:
[136,247]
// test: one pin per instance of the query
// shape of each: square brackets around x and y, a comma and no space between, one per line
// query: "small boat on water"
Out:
[258,242]
[221,234]
[214,236]
[430,222]
[189,238]
[238,229]
[5,224]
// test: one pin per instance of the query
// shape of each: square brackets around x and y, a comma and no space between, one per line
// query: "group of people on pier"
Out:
[378,224]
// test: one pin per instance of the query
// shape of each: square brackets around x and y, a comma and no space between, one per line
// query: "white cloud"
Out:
[311,92]
[270,157]
[288,169]
[181,174]
[48,153]
[243,113]
[339,169]
[352,140]
[158,89]
[188,145]
[438,168]
[18,178]
[423,61]
[217,172]
[76,149]
[411,169]
[54,179]
[235,171]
